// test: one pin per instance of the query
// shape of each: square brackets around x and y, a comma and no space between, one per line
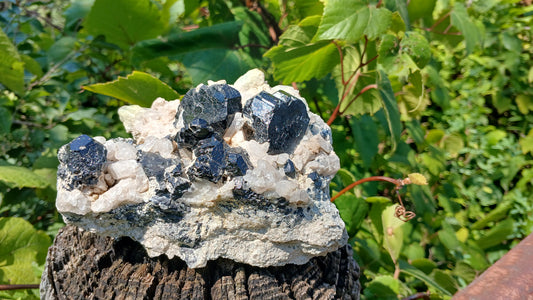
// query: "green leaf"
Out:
[496,235]
[417,47]
[390,107]
[61,48]
[353,211]
[5,121]
[453,144]
[392,232]
[346,177]
[365,134]
[219,36]
[495,136]
[301,34]
[448,238]
[461,20]
[416,273]
[434,136]
[423,264]
[137,88]
[77,10]
[22,177]
[303,63]
[349,21]
[524,103]
[20,246]
[494,215]
[32,65]
[445,280]
[216,65]
[308,7]
[420,8]
[11,66]
[383,287]
[125,22]
[526,143]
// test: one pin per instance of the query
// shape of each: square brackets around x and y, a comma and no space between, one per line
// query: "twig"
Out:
[48,21]
[54,68]
[7,287]
[366,88]
[438,21]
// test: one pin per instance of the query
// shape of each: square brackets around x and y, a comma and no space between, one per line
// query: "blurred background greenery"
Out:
[439,87]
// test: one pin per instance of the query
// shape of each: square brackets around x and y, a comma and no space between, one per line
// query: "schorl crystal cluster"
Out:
[236,171]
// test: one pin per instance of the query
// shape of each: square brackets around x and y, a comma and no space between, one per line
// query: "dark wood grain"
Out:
[84,265]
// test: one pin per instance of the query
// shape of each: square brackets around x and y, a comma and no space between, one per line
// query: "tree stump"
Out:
[84,265]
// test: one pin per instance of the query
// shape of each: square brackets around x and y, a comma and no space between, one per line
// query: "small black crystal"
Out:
[316,178]
[198,129]
[175,184]
[216,104]
[237,162]
[289,169]
[210,159]
[279,119]
[82,162]
[154,165]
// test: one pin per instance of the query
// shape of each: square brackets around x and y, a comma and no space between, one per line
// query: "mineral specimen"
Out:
[229,168]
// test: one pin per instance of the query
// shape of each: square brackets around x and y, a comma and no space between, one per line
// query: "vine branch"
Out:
[8,287]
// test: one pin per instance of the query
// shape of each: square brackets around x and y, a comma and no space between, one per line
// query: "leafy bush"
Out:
[438,88]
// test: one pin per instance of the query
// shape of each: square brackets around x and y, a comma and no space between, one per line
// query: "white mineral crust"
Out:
[146,188]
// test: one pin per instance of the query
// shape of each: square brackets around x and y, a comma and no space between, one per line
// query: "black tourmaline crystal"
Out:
[279,119]
[82,161]
[210,158]
[215,104]
[237,162]
[198,129]
[289,169]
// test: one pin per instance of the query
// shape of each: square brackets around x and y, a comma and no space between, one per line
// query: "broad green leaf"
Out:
[5,120]
[495,136]
[307,8]
[496,235]
[420,8]
[452,144]
[464,271]
[301,34]
[303,63]
[375,214]
[448,238]
[11,66]
[77,10]
[461,20]
[445,280]
[22,177]
[425,265]
[125,22]
[353,211]
[32,65]
[369,102]
[365,134]
[217,64]
[417,47]
[378,199]
[137,88]
[61,48]
[416,273]
[20,246]
[401,6]
[524,103]
[511,42]
[434,136]
[219,36]
[346,177]
[526,143]
[349,21]
[390,107]
[383,287]
[392,232]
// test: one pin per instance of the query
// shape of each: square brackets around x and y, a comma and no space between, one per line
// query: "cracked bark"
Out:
[84,265]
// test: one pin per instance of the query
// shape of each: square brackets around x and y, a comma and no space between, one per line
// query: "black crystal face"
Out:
[198,129]
[289,169]
[215,104]
[279,119]
[81,162]
[210,158]
[237,162]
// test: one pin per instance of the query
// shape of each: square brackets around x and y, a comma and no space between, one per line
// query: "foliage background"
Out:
[439,87]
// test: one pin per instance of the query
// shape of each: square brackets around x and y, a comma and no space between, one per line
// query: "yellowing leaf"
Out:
[392,232]
[418,179]
[22,177]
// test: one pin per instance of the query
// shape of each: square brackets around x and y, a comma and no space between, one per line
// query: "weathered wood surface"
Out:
[83,265]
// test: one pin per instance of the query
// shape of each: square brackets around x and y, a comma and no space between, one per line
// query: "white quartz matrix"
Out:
[210,191]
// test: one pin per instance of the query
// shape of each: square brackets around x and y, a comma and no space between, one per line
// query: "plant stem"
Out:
[366,88]
[7,287]
[397,182]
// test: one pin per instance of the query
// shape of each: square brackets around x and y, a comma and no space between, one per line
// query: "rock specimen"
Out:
[236,171]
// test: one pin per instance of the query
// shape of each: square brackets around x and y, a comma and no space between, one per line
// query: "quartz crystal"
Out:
[234,171]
